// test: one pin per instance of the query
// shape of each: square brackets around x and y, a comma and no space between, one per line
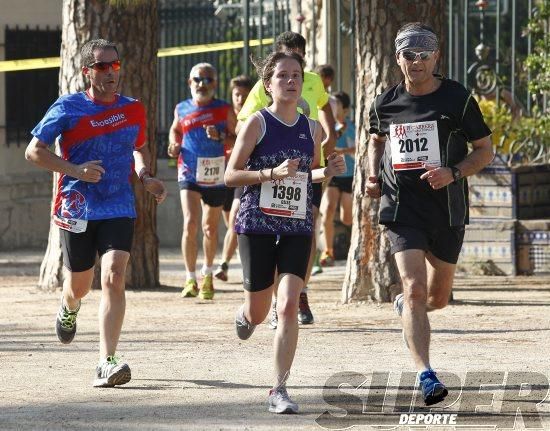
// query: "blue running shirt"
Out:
[279,142]
[195,144]
[90,130]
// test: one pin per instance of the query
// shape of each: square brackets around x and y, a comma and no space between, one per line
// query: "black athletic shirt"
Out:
[407,199]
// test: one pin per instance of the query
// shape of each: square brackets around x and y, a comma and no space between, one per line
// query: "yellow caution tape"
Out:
[51,62]
[195,49]
[31,63]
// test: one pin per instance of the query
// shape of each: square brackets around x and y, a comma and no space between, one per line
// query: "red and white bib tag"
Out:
[285,198]
[210,170]
[414,145]
[73,225]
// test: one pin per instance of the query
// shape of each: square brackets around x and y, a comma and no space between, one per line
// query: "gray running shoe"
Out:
[243,326]
[110,373]
[273,318]
[221,272]
[398,304]
[65,323]
[305,316]
[280,402]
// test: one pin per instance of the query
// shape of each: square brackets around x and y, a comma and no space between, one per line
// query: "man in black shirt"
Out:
[418,164]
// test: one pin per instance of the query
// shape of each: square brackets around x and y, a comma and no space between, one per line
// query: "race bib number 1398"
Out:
[285,198]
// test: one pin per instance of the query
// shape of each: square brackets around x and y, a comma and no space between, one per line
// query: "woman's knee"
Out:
[287,308]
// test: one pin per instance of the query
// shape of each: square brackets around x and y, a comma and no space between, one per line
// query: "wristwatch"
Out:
[456,173]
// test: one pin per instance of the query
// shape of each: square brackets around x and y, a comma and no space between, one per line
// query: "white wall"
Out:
[25,190]
[22,13]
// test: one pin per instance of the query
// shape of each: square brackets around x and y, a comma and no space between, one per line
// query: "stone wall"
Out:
[25,210]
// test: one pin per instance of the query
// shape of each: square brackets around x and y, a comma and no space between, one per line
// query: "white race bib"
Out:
[73,225]
[285,198]
[210,170]
[414,145]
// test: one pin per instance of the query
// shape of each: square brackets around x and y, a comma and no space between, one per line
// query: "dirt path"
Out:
[191,372]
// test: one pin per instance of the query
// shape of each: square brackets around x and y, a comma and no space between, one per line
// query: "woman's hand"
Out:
[286,169]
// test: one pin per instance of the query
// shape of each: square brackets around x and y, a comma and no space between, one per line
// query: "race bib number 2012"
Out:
[285,198]
[414,145]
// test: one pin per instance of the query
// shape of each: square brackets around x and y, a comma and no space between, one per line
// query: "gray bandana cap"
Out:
[422,39]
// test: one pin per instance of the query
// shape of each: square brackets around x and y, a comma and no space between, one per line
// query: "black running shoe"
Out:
[65,323]
[305,316]
[244,327]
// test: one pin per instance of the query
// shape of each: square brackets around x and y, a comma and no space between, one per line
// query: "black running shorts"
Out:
[261,255]
[341,183]
[211,196]
[229,196]
[317,194]
[80,249]
[443,242]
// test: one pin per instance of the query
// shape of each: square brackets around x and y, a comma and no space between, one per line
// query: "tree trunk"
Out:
[370,271]
[133,26]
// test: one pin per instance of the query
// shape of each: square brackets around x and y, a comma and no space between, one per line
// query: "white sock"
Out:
[206,270]
[424,370]
[191,275]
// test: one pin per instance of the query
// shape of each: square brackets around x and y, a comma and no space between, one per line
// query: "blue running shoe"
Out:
[433,391]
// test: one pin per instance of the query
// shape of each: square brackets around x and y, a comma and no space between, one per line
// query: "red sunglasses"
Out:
[103,66]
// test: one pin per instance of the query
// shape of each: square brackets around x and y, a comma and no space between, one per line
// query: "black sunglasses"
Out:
[411,55]
[103,66]
[206,80]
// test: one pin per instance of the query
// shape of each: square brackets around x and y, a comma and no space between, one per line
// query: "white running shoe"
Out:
[280,402]
[110,372]
[398,304]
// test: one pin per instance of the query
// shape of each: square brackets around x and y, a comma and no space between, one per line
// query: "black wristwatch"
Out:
[456,173]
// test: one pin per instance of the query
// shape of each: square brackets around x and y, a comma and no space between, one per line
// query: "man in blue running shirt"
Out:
[101,136]
[202,130]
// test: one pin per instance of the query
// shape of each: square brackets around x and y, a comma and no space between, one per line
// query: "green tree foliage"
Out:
[526,139]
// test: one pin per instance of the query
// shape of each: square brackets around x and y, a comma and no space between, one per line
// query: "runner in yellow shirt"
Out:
[314,104]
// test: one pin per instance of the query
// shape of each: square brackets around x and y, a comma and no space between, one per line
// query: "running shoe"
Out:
[243,326]
[398,304]
[305,316]
[316,270]
[65,323]
[190,290]
[433,391]
[280,402]
[326,259]
[111,372]
[273,318]
[221,272]
[207,287]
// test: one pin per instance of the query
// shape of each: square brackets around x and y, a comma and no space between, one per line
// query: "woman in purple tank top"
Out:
[272,159]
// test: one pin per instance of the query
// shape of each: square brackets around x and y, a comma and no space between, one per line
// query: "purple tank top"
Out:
[280,142]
